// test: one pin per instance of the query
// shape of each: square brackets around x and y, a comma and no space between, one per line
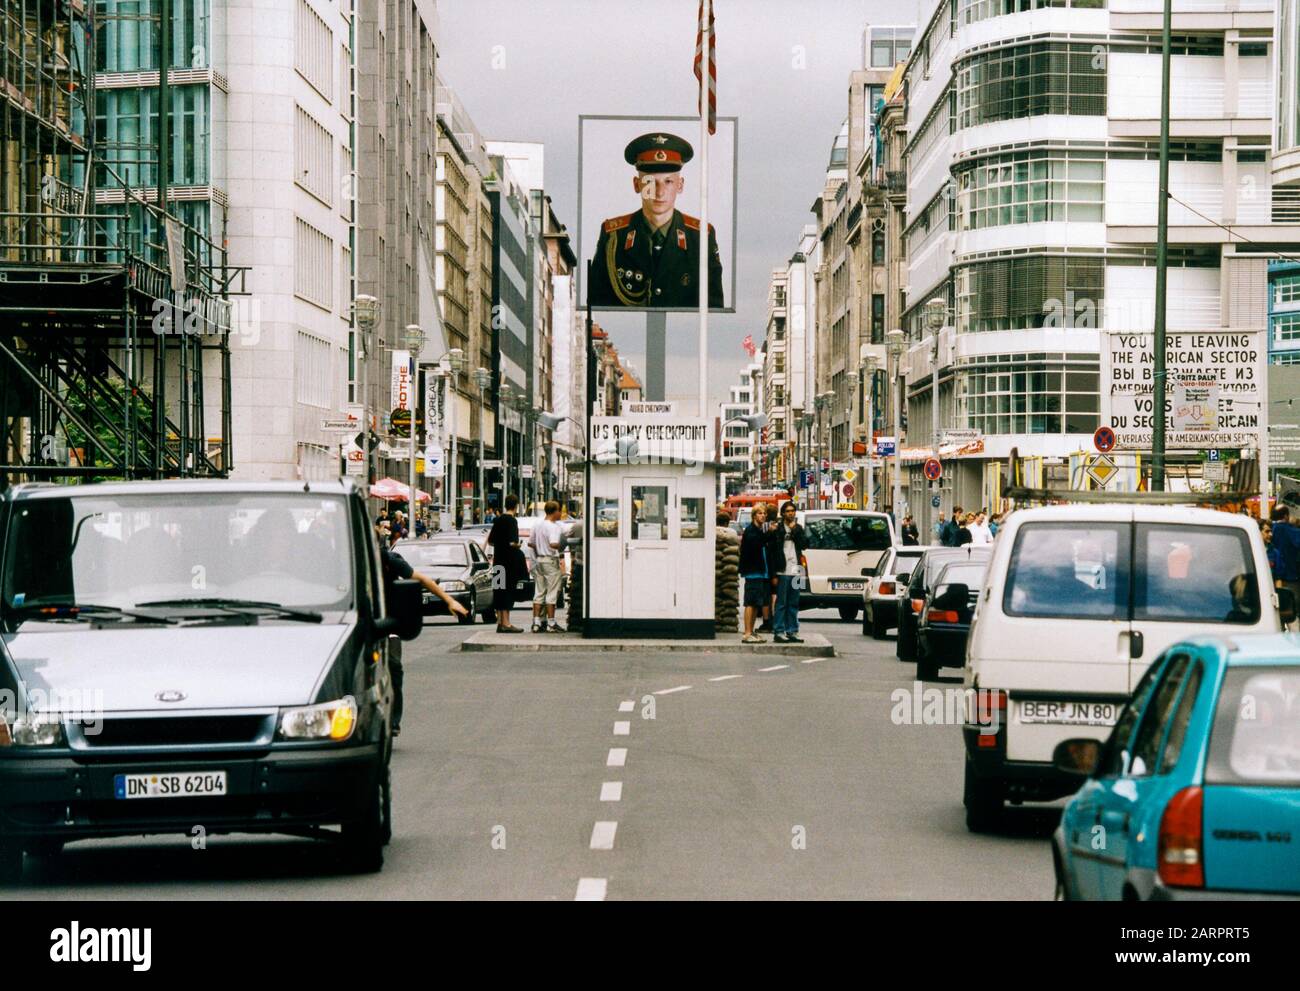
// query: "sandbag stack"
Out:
[726,589]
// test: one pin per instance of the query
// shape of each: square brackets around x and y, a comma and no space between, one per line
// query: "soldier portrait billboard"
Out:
[638,200]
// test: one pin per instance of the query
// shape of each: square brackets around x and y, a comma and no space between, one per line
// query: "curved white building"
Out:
[1033,143]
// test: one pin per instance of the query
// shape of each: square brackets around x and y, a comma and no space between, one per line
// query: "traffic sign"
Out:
[846,490]
[1215,471]
[1213,454]
[826,464]
[933,470]
[491,464]
[935,501]
[526,471]
[886,446]
[1101,469]
[849,475]
[1103,439]
[805,478]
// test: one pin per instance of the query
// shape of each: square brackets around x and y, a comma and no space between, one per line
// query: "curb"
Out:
[816,645]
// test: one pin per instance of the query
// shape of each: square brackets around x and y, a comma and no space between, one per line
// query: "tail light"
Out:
[942,616]
[1179,859]
[885,588]
[918,605]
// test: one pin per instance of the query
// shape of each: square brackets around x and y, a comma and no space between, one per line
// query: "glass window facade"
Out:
[126,36]
[1286,288]
[1286,327]
[127,120]
[1030,80]
[1030,394]
[1029,188]
[1026,293]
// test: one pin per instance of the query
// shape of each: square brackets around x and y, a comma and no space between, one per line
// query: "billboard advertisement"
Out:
[638,205]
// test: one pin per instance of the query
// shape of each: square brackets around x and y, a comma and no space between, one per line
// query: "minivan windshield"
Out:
[848,533]
[291,549]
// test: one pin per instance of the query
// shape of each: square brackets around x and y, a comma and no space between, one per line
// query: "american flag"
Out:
[713,65]
[748,345]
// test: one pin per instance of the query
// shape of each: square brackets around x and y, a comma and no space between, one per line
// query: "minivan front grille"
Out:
[176,731]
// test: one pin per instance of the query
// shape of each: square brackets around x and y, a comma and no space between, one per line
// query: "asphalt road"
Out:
[770,784]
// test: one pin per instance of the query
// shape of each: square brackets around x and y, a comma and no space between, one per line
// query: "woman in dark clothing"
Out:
[506,555]
[963,531]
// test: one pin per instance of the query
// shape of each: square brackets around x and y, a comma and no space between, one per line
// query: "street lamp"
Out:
[936,315]
[482,379]
[895,341]
[520,403]
[414,339]
[365,314]
[505,399]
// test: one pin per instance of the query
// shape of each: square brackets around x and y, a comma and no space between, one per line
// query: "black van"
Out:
[195,653]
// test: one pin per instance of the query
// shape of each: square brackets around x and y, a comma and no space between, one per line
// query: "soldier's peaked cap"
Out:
[658,152]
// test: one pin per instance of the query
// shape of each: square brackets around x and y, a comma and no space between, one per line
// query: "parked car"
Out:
[886,583]
[944,620]
[918,587]
[1078,601]
[166,668]
[458,564]
[1197,789]
[841,542]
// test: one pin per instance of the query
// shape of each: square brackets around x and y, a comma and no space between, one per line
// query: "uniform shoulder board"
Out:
[617,223]
[692,222]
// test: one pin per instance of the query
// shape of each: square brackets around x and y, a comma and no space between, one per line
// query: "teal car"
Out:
[1196,794]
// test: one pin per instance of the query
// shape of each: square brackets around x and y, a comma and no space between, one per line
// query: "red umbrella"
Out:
[390,488]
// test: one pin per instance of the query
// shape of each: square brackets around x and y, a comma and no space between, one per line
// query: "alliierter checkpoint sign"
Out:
[1228,365]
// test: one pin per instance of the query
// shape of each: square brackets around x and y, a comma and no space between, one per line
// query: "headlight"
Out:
[452,586]
[327,721]
[33,729]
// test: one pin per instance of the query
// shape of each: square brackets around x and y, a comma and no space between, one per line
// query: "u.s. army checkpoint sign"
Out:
[1229,364]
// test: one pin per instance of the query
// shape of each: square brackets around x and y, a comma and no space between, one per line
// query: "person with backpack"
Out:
[787,566]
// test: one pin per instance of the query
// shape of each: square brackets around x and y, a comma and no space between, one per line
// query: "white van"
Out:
[841,543]
[1078,601]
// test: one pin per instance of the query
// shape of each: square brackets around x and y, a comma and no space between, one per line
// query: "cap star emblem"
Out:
[659,139]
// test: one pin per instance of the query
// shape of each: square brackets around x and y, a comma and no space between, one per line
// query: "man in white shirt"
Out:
[545,541]
[980,531]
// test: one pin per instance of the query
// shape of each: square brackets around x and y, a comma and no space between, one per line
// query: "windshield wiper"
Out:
[89,611]
[246,606]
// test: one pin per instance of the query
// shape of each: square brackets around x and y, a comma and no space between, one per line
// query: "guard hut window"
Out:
[606,517]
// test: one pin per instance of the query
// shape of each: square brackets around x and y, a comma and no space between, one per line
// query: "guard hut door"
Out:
[649,582]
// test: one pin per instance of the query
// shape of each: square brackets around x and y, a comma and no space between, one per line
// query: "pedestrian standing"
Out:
[940,528]
[786,565]
[769,607]
[754,571]
[508,565]
[1286,538]
[963,535]
[548,574]
[396,567]
[911,535]
[980,531]
[951,528]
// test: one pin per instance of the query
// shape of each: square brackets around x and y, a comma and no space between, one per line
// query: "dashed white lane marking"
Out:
[590,889]
[669,691]
[602,835]
[726,677]
[627,706]
[774,667]
[611,791]
[813,660]
[623,728]
[617,757]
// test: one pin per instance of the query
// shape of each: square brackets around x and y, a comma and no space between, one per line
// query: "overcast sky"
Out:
[526,69]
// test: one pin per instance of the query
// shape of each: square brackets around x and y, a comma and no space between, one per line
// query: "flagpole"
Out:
[705,77]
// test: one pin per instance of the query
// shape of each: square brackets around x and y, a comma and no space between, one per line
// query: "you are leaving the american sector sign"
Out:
[1235,361]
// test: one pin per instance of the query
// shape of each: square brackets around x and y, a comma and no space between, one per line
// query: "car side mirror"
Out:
[1077,757]
[902,579]
[867,572]
[1286,605]
[953,596]
[405,609]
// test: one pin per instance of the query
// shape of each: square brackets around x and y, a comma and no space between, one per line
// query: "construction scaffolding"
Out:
[109,303]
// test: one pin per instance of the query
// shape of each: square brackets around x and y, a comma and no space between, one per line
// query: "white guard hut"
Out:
[651,503]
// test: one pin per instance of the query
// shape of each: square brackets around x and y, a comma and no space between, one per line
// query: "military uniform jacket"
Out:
[628,270]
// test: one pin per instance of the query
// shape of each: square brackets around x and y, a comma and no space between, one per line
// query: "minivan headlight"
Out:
[326,721]
[32,729]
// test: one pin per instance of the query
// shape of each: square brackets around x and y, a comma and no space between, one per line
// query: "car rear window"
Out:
[971,575]
[906,564]
[848,533]
[1256,734]
[1201,574]
[1069,571]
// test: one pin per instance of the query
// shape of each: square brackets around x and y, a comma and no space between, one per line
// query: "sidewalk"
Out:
[814,645]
